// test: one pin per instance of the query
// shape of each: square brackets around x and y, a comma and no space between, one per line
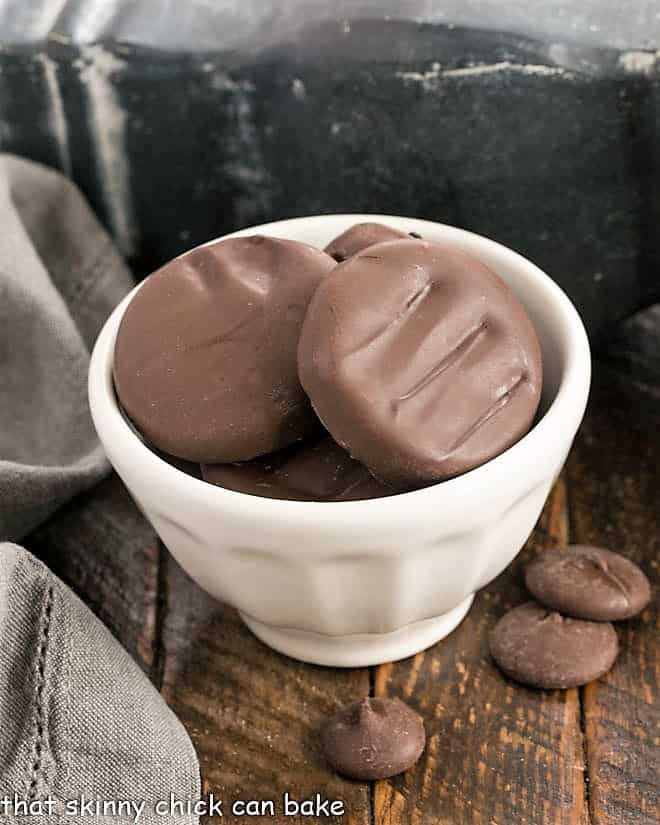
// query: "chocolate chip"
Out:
[373,738]
[588,583]
[542,648]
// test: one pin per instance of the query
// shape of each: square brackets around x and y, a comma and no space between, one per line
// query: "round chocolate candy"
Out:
[373,739]
[544,649]
[304,472]
[588,583]
[419,361]
[360,236]
[205,358]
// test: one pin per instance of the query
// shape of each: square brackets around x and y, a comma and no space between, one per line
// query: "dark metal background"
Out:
[194,125]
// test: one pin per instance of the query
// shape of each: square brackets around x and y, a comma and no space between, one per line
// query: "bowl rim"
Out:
[565,410]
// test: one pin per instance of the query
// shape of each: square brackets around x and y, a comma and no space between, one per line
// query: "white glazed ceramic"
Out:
[363,582]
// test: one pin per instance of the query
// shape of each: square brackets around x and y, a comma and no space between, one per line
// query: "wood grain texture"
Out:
[102,547]
[497,753]
[253,715]
[614,475]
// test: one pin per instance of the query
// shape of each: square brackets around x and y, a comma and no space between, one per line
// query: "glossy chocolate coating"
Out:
[359,237]
[420,361]
[588,583]
[542,648]
[205,358]
[321,471]
[373,739]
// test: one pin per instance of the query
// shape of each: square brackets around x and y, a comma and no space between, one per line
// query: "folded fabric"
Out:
[80,723]
[79,720]
[60,276]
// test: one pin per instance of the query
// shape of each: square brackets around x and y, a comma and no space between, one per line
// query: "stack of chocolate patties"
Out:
[566,638]
[380,365]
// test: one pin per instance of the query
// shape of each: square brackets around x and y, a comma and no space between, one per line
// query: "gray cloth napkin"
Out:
[80,722]
[60,277]
[77,715]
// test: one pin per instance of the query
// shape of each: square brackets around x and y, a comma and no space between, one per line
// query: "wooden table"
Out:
[497,753]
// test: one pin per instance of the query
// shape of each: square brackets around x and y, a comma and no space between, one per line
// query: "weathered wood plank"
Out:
[497,753]
[614,474]
[102,547]
[253,715]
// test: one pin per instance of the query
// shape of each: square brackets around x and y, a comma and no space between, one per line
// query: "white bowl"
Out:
[363,582]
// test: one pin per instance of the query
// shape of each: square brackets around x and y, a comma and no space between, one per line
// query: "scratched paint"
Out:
[436,73]
[99,69]
[56,114]
[243,158]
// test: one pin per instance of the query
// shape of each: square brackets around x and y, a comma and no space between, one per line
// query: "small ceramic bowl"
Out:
[359,583]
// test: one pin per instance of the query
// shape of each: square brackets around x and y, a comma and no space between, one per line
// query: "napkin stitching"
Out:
[67,720]
[40,736]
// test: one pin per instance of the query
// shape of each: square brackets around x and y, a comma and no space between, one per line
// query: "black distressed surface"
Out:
[548,148]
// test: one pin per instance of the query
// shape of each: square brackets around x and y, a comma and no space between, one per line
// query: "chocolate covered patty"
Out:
[373,738]
[205,358]
[420,361]
[588,583]
[320,471]
[359,237]
[542,648]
